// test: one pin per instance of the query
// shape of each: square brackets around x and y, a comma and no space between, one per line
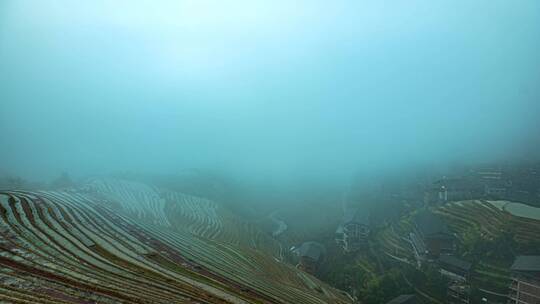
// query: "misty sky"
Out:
[283,89]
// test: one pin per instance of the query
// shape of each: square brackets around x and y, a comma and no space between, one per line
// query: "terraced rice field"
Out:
[177,211]
[394,243]
[489,218]
[492,277]
[122,242]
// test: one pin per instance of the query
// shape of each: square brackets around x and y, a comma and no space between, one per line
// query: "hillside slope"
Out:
[489,218]
[117,241]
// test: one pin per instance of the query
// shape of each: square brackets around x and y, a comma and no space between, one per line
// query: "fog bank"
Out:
[273,92]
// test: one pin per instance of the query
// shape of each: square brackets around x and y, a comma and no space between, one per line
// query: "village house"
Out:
[353,232]
[430,237]
[525,286]
[310,255]
[454,268]
[457,271]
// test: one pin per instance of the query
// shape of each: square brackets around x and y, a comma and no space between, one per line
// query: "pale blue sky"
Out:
[266,88]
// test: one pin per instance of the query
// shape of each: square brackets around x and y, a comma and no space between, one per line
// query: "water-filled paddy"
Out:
[518,209]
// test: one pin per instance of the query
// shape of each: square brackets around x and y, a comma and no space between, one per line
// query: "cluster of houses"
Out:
[352,234]
[433,243]
[431,239]
[524,289]
[525,286]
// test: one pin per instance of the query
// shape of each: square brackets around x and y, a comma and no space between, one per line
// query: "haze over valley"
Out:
[270,151]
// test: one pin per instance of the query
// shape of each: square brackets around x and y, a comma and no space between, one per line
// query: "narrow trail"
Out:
[493,293]
[281,225]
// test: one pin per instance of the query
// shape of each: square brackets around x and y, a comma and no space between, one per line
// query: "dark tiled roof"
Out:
[430,224]
[403,299]
[455,262]
[526,263]
[311,250]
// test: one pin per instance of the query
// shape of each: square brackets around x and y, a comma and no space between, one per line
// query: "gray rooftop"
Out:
[453,261]
[526,263]
[311,250]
